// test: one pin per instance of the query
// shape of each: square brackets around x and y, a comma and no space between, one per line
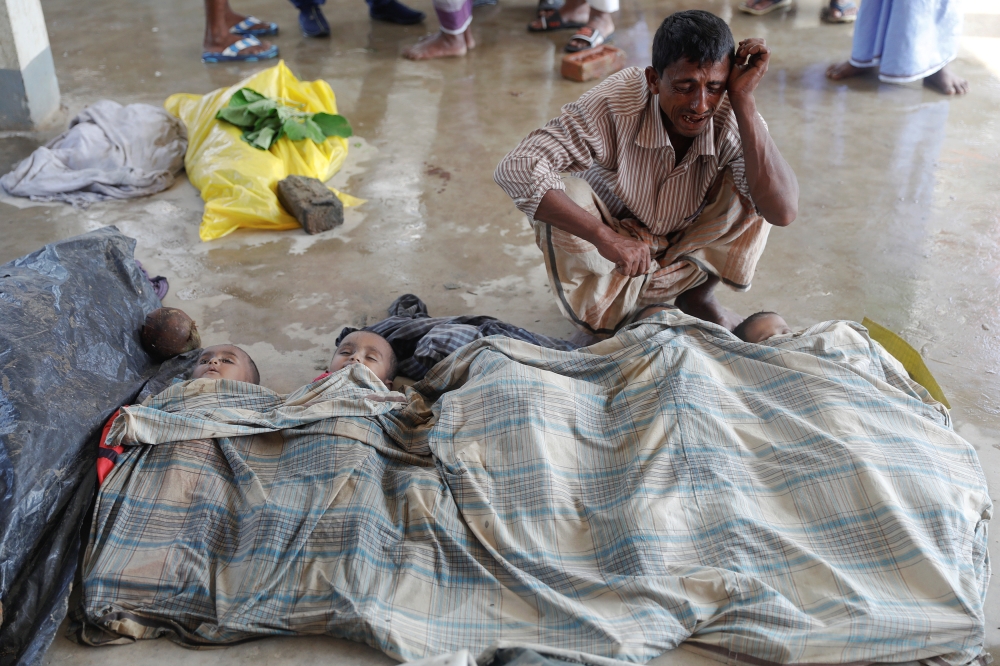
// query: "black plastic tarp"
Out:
[69,356]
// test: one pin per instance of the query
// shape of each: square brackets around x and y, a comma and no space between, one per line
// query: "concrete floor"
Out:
[899,212]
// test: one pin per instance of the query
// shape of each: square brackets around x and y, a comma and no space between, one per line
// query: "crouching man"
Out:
[677,181]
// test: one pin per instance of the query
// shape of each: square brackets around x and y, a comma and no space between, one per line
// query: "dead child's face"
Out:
[368,349]
[224,362]
[766,326]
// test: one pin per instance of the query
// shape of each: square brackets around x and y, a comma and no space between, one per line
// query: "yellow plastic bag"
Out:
[908,356]
[238,181]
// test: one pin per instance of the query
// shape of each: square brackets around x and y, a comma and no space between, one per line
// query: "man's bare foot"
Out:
[701,302]
[844,70]
[839,11]
[232,18]
[572,11]
[441,45]
[598,21]
[946,82]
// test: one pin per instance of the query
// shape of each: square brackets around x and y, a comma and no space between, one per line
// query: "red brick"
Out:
[595,63]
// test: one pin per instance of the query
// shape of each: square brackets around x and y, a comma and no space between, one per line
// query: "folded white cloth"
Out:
[110,151]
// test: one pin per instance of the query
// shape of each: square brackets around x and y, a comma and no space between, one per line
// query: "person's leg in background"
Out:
[599,26]
[455,36]
[906,41]
[314,24]
[921,39]
[555,15]
[221,43]
[392,11]
[311,19]
[839,11]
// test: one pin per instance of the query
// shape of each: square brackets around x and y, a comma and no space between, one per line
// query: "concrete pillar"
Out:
[29,92]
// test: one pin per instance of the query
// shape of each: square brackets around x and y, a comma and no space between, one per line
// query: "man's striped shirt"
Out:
[615,135]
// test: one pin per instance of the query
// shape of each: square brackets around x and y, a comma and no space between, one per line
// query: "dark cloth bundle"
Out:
[420,341]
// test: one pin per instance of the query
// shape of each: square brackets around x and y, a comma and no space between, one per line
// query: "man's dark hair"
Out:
[255,373]
[741,330]
[695,35]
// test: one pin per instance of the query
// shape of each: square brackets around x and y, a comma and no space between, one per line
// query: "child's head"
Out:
[369,349]
[226,362]
[760,326]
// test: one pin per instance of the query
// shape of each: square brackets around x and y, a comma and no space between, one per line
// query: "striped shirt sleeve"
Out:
[582,135]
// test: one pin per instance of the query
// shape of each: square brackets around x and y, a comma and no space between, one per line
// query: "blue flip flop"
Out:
[232,53]
[252,26]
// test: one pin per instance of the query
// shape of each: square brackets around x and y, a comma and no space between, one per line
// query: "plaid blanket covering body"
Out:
[798,503]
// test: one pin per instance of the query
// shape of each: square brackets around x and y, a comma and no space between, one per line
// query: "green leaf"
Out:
[237,115]
[249,137]
[262,107]
[265,138]
[245,96]
[267,121]
[298,129]
[332,125]
[295,129]
[313,131]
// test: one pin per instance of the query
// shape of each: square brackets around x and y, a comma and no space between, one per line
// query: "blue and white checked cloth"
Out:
[803,502]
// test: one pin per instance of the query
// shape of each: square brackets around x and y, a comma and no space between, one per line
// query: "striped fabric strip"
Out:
[800,502]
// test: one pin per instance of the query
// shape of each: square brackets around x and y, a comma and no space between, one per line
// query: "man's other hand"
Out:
[631,257]
[748,67]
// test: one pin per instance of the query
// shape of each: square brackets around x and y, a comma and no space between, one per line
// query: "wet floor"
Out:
[899,212]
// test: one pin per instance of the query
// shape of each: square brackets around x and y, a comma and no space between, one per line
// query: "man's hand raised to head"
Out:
[773,186]
[748,68]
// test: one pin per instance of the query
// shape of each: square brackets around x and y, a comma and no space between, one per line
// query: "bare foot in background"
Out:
[946,82]
[441,45]
[844,70]
[219,18]
[598,21]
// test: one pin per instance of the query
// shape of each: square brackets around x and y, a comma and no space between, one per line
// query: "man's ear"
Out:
[652,80]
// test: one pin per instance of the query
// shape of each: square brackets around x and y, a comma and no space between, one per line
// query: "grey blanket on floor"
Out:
[110,151]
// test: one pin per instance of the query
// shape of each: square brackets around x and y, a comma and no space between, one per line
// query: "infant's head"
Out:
[369,349]
[760,326]
[226,362]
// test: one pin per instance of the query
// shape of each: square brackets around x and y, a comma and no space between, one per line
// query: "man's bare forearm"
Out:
[773,185]
[557,209]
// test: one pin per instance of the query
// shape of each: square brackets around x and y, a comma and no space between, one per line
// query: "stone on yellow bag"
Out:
[236,180]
